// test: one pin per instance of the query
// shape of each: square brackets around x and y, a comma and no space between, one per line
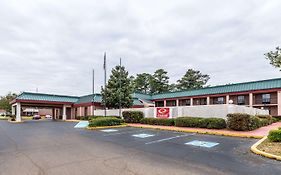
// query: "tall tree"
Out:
[113,91]
[142,83]
[5,101]
[192,79]
[274,57]
[159,81]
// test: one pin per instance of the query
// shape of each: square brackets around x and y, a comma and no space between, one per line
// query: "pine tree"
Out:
[192,79]
[113,91]
[142,83]
[159,82]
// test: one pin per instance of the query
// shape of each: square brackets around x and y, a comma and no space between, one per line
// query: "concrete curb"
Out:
[15,122]
[71,120]
[201,132]
[105,127]
[255,150]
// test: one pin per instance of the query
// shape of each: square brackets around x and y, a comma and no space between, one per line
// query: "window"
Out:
[219,100]
[241,100]
[200,101]
[171,103]
[159,103]
[185,102]
[265,98]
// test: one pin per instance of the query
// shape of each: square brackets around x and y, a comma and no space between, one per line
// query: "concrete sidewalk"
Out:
[258,133]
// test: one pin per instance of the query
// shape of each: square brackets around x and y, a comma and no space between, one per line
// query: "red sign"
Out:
[162,112]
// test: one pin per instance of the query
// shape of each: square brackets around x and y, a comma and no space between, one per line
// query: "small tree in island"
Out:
[119,89]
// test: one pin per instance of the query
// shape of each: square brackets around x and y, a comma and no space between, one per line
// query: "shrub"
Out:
[241,122]
[246,122]
[105,121]
[158,121]
[84,118]
[189,122]
[215,123]
[266,119]
[274,136]
[100,116]
[196,122]
[132,116]
[276,118]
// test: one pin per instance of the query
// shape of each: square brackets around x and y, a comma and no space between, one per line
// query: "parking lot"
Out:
[37,147]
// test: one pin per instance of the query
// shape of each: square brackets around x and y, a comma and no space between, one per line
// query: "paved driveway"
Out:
[37,147]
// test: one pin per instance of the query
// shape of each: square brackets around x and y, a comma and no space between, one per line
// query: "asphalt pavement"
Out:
[48,147]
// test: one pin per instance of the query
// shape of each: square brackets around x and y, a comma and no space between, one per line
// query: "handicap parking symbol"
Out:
[202,143]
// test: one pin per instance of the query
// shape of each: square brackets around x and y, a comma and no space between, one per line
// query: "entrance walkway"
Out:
[258,133]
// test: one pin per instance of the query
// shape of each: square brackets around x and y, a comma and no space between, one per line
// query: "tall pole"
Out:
[93,108]
[120,88]
[105,90]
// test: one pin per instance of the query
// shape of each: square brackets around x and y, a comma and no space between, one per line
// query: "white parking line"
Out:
[170,138]
[126,132]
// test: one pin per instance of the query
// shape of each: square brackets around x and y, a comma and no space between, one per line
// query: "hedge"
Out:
[132,116]
[246,122]
[196,122]
[105,121]
[158,121]
[274,136]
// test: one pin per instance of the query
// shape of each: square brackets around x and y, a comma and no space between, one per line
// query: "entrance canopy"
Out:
[56,102]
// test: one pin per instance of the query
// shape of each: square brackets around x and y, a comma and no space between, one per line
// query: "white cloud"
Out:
[53,45]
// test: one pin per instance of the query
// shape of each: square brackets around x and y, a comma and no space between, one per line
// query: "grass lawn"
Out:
[270,147]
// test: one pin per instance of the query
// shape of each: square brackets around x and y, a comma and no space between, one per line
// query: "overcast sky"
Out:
[53,45]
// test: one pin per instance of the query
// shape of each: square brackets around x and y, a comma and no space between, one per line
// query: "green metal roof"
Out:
[46,97]
[98,99]
[238,87]
[89,98]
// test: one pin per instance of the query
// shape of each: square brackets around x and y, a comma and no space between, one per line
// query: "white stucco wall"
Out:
[193,111]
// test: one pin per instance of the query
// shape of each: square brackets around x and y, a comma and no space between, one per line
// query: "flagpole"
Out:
[105,90]
[120,88]
[93,108]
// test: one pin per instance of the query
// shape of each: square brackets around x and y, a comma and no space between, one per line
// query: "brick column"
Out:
[165,102]
[178,102]
[227,99]
[279,103]
[191,102]
[18,112]
[208,100]
[251,99]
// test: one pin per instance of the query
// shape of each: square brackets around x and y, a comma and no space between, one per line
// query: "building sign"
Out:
[162,112]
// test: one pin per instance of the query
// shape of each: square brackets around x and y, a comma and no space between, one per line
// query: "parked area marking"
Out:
[170,138]
[202,143]
[125,132]
[82,124]
[143,135]
[109,130]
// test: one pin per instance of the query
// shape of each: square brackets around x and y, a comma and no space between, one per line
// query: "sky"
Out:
[53,45]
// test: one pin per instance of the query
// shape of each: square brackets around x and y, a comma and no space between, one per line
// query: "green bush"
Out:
[105,121]
[241,122]
[84,118]
[276,119]
[266,119]
[189,122]
[196,122]
[158,121]
[274,136]
[132,116]
[246,122]
[215,123]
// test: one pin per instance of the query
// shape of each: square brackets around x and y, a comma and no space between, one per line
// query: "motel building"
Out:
[263,94]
